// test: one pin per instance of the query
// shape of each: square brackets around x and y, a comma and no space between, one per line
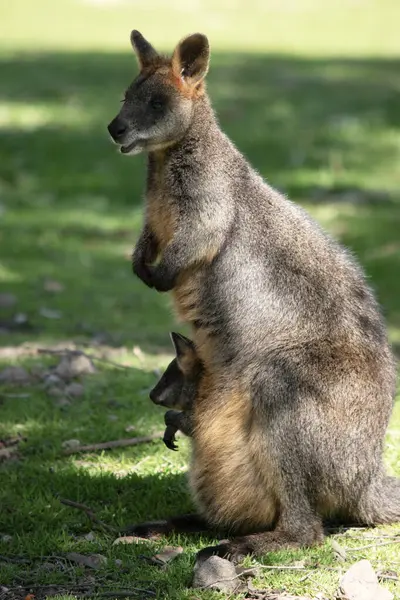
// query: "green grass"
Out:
[309,91]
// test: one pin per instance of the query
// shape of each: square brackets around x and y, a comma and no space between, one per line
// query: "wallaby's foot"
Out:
[260,543]
[189,523]
[169,437]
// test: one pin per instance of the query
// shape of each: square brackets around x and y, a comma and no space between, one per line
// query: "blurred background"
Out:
[307,89]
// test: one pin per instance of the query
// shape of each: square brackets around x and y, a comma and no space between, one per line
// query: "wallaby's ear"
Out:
[190,59]
[144,50]
[185,351]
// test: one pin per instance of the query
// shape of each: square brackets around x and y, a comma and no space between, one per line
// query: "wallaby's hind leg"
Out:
[380,504]
[189,523]
[294,529]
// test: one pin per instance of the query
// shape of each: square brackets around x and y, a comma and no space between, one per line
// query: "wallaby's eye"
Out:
[157,103]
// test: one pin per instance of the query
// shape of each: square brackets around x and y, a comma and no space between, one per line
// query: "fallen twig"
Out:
[3,395]
[115,443]
[286,567]
[350,550]
[119,593]
[389,577]
[14,559]
[83,590]
[89,513]
[67,352]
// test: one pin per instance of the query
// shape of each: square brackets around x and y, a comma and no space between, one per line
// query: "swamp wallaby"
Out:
[299,380]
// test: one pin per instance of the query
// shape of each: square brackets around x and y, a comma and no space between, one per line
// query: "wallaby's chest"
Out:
[161,209]
[161,216]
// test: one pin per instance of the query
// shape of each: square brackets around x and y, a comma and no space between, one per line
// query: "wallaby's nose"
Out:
[117,129]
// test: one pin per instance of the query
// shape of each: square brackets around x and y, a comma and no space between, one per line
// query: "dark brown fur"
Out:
[299,379]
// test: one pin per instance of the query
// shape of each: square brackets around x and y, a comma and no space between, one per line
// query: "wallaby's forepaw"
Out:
[162,280]
[143,271]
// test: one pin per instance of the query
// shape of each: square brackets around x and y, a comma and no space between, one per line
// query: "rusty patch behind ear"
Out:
[190,60]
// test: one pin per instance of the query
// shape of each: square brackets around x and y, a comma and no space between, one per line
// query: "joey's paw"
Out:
[170,443]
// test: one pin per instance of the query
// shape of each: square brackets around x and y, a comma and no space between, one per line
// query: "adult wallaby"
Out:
[298,379]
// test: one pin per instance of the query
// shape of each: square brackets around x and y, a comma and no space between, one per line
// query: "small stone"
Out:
[112,417]
[20,318]
[74,365]
[75,390]
[51,285]
[130,428]
[215,573]
[39,372]
[167,554]
[49,313]
[53,380]
[15,375]
[5,538]
[7,300]
[93,561]
[360,582]
[62,402]
[55,391]
[71,444]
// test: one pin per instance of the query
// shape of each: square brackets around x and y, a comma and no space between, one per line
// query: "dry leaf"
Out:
[130,539]
[167,554]
[8,453]
[93,561]
[138,352]
[338,551]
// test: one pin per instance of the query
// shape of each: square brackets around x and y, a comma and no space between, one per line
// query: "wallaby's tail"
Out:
[381,504]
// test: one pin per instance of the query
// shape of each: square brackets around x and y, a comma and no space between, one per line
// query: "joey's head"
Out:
[158,105]
[178,385]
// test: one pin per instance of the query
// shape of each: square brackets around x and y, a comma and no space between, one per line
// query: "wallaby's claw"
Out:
[170,444]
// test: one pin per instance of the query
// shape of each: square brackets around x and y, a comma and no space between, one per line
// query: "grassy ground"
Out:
[310,93]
